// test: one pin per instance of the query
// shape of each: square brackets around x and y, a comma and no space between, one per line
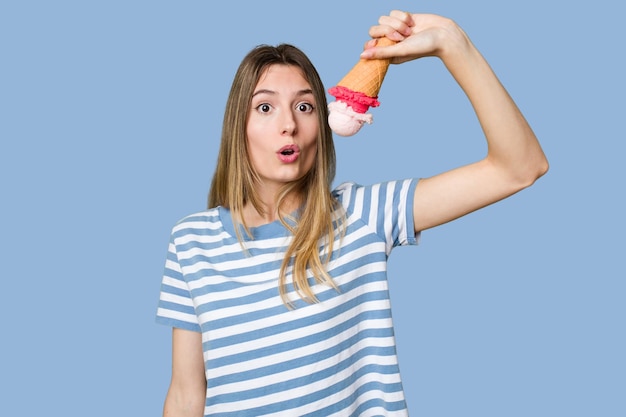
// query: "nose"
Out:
[288,124]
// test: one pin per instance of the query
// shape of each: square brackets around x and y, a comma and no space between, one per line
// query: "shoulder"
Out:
[206,219]
[344,188]
[347,192]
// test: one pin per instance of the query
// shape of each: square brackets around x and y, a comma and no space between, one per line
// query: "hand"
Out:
[417,36]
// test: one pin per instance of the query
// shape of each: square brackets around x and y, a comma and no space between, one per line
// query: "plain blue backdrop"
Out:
[110,117]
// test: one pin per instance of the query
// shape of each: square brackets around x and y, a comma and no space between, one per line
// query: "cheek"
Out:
[255,153]
[256,140]
[255,133]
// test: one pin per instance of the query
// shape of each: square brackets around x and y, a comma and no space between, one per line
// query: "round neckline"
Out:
[264,231]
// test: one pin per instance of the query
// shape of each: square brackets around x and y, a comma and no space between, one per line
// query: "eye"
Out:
[305,107]
[263,108]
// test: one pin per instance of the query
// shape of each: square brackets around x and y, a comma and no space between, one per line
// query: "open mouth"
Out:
[288,153]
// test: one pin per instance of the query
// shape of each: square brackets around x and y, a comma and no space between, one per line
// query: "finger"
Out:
[373,50]
[394,27]
[390,32]
[405,17]
[370,44]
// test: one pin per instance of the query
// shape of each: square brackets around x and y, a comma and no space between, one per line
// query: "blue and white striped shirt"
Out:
[332,358]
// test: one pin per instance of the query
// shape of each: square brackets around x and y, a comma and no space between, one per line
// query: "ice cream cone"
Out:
[368,74]
[356,93]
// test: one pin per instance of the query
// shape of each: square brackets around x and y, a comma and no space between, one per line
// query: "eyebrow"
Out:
[271,92]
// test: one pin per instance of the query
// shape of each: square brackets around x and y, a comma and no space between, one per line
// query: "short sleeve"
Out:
[387,208]
[176,306]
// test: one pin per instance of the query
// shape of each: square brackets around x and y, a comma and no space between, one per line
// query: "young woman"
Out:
[277,294]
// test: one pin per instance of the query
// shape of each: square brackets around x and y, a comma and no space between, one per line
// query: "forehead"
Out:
[282,76]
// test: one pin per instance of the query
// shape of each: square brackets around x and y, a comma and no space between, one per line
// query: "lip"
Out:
[288,153]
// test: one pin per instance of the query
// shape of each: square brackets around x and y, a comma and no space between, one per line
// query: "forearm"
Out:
[182,403]
[186,395]
[511,142]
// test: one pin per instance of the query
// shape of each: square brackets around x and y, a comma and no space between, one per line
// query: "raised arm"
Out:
[187,392]
[514,157]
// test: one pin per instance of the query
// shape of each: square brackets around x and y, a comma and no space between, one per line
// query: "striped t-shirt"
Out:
[332,358]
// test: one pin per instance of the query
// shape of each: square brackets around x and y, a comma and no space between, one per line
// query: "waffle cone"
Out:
[368,74]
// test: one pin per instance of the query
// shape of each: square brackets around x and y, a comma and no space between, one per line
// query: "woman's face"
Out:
[282,127]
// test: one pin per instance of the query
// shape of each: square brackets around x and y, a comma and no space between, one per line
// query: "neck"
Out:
[270,210]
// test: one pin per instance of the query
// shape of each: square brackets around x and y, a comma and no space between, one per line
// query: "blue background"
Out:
[110,117]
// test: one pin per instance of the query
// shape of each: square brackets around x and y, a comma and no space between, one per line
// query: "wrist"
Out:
[452,42]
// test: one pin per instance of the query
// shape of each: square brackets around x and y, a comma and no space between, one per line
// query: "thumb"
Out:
[380,48]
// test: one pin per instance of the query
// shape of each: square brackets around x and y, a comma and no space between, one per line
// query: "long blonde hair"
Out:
[233,184]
